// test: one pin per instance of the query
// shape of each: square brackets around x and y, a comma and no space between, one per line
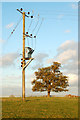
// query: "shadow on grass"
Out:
[32,100]
[27,100]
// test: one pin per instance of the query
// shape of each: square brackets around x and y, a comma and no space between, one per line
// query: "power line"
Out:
[33,30]
[39,26]
[31,22]
[36,24]
[12,32]
[30,25]
[37,32]
[15,27]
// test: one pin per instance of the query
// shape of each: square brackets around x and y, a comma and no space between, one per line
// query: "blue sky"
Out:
[56,40]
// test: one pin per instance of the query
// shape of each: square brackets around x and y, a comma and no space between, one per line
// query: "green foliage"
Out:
[50,79]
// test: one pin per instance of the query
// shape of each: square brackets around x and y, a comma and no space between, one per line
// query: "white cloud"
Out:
[9,25]
[13,77]
[74,6]
[76,0]
[30,77]
[11,80]
[40,57]
[66,55]
[36,66]
[67,51]
[73,78]
[67,31]
[60,16]
[68,44]
[8,59]
[48,61]
[39,60]
[1,40]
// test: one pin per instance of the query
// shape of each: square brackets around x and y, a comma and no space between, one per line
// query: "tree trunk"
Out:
[48,93]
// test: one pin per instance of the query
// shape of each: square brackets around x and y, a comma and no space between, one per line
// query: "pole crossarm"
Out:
[28,36]
[28,63]
[19,11]
[22,13]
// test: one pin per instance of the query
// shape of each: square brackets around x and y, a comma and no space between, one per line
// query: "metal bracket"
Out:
[28,63]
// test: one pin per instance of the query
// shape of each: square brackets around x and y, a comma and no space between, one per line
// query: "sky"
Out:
[56,40]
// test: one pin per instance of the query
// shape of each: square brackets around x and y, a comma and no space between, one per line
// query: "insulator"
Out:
[11,32]
[21,62]
[34,36]
[26,32]
[21,65]
[30,34]
[28,13]
[21,58]
[31,16]
[21,9]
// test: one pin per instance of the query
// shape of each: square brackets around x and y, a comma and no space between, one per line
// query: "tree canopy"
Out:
[50,79]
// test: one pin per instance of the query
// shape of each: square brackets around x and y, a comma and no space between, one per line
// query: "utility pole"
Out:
[23,70]
[24,65]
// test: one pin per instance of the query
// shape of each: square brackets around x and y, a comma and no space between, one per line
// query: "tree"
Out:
[50,79]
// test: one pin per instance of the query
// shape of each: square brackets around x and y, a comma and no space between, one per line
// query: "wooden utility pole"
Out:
[23,70]
[24,65]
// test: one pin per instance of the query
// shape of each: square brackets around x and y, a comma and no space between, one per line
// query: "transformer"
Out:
[28,53]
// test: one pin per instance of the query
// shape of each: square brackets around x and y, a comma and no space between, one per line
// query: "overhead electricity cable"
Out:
[36,24]
[30,27]
[39,26]
[28,41]
[33,30]
[38,31]
[13,31]
[31,22]
[15,27]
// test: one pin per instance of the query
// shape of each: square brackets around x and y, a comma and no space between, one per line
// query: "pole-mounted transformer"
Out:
[28,53]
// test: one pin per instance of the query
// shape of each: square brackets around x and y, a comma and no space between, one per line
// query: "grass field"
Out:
[40,107]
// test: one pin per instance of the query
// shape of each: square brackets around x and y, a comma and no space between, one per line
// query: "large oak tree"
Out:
[50,79]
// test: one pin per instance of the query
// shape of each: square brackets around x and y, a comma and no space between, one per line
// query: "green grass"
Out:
[40,107]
